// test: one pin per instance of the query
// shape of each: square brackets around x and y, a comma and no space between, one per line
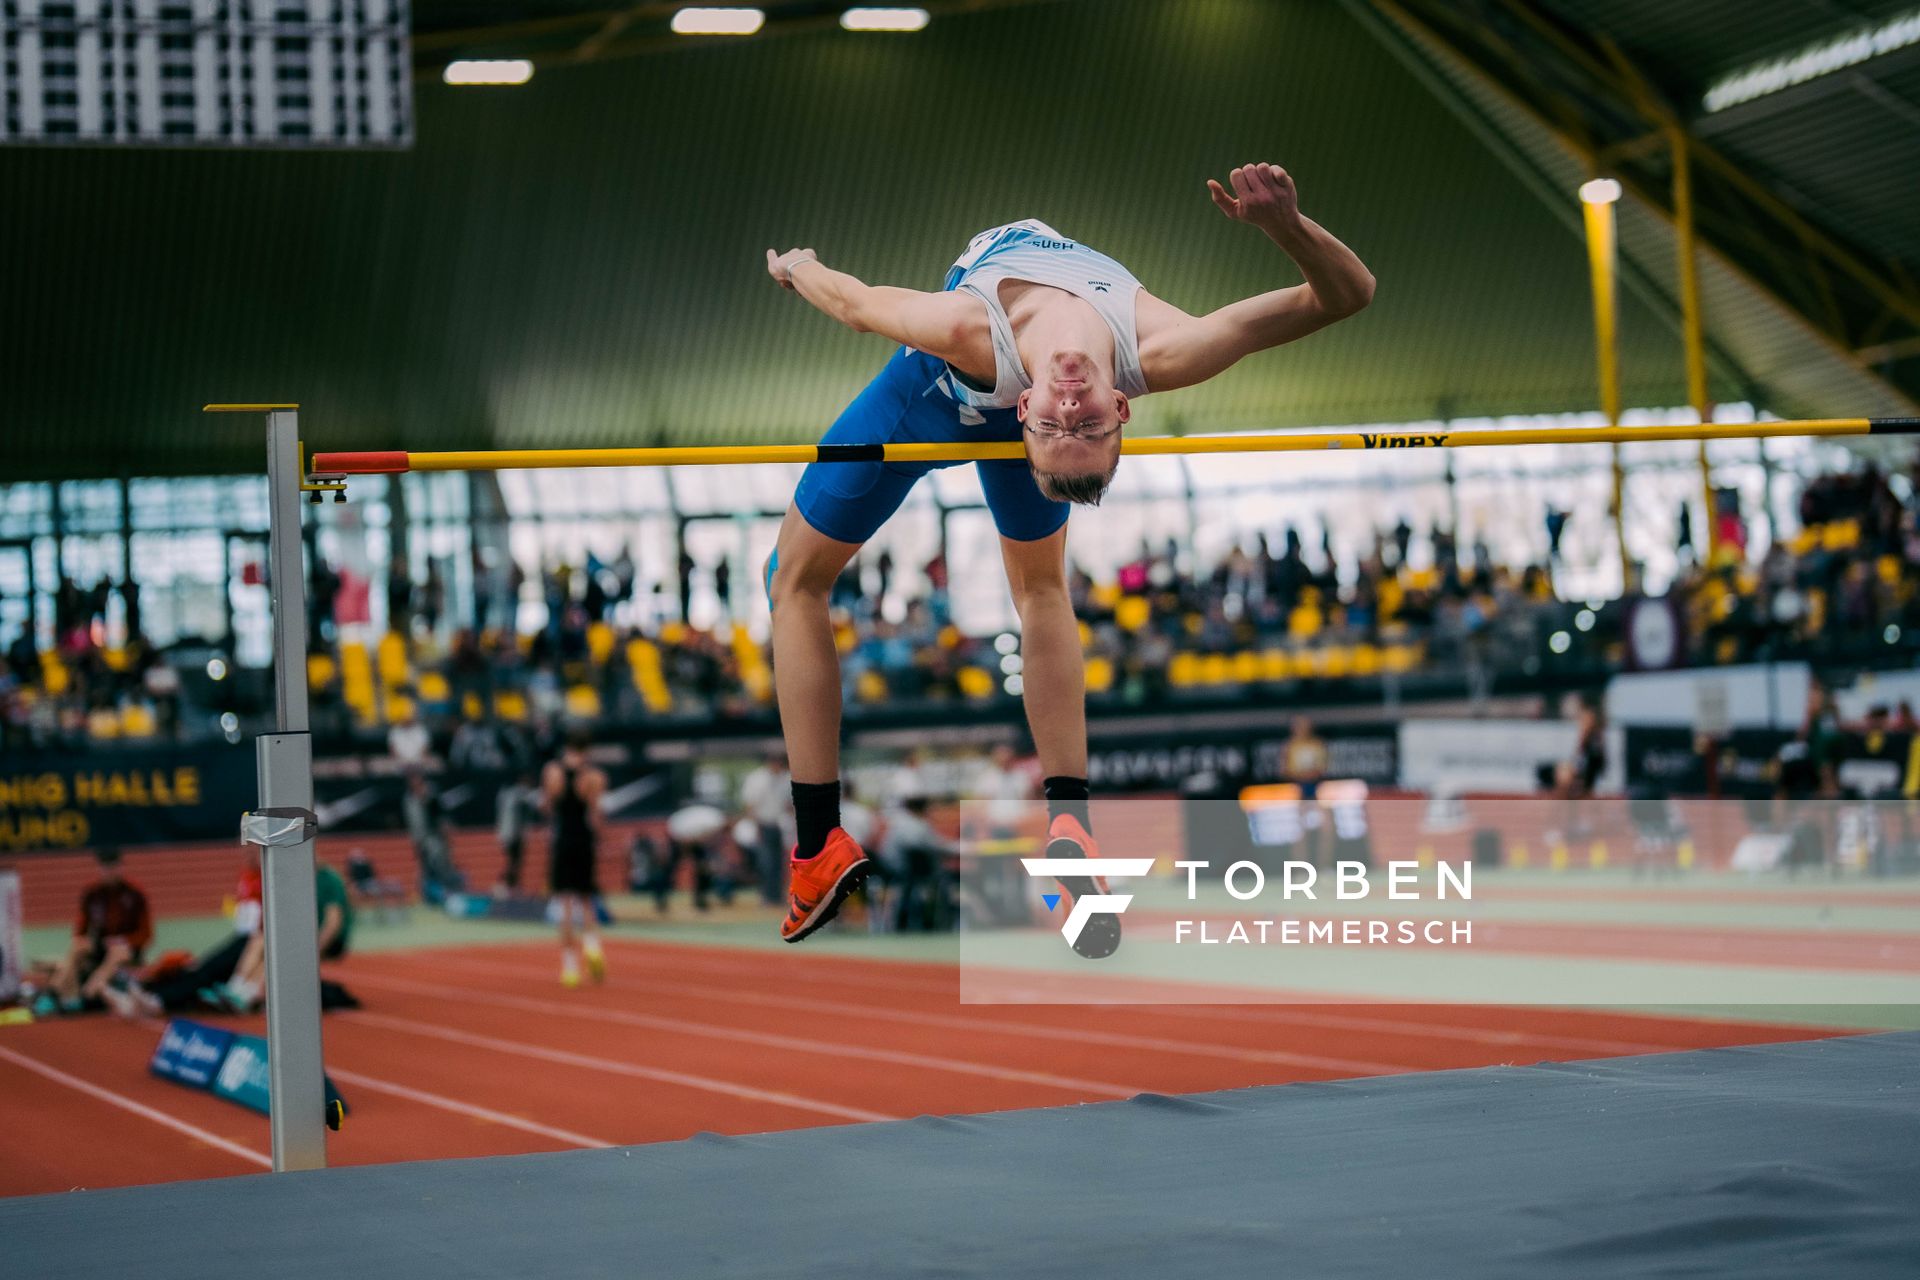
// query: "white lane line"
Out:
[1279,1012]
[1039,1031]
[145,1112]
[454,1105]
[590,1063]
[770,1040]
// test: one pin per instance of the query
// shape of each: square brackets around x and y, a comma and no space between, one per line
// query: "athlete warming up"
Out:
[1034,338]
[571,790]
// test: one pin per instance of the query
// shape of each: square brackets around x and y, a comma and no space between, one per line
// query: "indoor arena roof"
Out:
[579,261]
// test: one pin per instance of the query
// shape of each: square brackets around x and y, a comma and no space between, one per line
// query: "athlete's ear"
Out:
[1122,406]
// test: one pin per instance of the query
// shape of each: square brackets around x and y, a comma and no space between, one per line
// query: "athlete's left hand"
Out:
[1262,194]
[780,265]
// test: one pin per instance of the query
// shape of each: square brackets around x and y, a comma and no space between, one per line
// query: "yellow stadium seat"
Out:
[433,687]
[509,705]
[116,659]
[321,670]
[1366,660]
[1275,665]
[54,676]
[871,687]
[1106,595]
[1215,668]
[399,707]
[471,707]
[1086,634]
[1304,622]
[975,682]
[583,701]
[103,724]
[1132,613]
[1336,661]
[1099,675]
[599,643]
[137,721]
[356,681]
[1246,667]
[673,633]
[392,660]
[1184,670]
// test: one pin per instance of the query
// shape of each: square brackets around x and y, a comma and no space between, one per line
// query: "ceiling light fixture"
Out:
[718,22]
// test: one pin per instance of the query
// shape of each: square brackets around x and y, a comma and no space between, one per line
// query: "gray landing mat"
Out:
[1781,1160]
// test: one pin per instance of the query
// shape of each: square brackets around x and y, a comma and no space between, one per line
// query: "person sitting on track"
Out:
[243,992]
[571,789]
[1034,338]
[110,938]
[198,983]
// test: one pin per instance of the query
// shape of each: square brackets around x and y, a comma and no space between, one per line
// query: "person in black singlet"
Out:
[572,789]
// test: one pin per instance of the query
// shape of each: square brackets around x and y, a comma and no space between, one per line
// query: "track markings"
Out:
[771,1040]
[649,954]
[468,1109]
[707,1085]
[1073,1035]
[140,1109]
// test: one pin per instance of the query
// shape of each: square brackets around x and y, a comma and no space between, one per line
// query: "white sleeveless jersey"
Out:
[1033,251]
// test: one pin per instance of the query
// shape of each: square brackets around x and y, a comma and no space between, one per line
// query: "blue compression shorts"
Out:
[848,501]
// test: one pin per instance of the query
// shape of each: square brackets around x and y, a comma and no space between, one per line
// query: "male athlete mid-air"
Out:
[1034,338]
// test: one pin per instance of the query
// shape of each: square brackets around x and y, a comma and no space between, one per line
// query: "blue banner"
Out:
[191,1054]
[243,1076]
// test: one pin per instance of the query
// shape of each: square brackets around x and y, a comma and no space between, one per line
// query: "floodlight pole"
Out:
[284,825]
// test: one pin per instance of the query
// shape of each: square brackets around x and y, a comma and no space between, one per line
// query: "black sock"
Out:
[1067,795]
[816,812]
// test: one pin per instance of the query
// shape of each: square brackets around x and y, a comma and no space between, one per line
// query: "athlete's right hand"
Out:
[780,266]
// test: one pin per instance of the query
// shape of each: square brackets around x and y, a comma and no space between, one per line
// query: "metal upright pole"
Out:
[285,759]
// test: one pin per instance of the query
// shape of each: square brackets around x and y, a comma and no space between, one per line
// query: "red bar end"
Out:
[384,463]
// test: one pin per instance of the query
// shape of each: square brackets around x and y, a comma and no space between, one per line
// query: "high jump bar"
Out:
[396,462]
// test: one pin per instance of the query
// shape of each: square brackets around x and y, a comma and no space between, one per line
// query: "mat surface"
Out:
[1777,1160]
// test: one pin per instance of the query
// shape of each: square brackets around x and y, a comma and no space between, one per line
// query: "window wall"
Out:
[196,549]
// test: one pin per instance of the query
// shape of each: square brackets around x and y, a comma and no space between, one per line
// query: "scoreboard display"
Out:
[223,73]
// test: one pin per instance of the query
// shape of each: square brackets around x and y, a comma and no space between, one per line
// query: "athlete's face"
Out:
[1073,415]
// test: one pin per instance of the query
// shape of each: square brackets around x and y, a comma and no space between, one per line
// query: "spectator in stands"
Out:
[516,809]
[695,834]
[408,740]
[1008,792]
[763,800]
[426,817]
[110,939]
[911,853]
[1303,761]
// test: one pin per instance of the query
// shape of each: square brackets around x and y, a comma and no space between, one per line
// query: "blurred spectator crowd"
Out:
[1164,627]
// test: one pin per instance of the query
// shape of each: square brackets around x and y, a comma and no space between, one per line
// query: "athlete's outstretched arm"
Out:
[1178,350]
[952,326]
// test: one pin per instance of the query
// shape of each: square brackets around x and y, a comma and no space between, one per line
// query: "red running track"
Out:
[477,1051]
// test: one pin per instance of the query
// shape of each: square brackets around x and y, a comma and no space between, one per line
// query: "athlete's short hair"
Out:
[1085,489]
